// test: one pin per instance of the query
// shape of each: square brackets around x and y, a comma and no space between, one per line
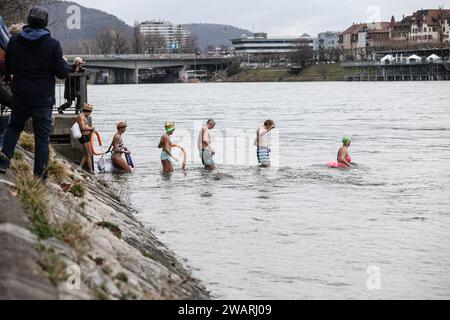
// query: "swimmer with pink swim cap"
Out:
[343,159]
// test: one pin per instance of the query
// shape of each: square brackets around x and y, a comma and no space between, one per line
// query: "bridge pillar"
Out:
[136,73]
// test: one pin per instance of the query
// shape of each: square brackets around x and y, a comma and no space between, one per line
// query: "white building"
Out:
[172,33]
[328,40]
[260,44]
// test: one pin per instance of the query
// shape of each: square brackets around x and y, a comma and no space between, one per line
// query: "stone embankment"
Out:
[74,238]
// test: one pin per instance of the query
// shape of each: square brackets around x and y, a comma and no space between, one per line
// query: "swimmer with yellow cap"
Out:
[166,145]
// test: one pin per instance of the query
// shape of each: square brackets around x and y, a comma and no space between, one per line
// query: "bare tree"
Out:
[14,11]
[154,43]
[112,42]
[138,42]
[302,57]
[104,41]
[191,44]
[181,41]
[120,43]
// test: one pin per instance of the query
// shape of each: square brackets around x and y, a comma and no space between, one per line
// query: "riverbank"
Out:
[321,72]
[74,238]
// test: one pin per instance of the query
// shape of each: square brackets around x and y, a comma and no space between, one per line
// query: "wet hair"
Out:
[121,125]
[211,121]
[269,123]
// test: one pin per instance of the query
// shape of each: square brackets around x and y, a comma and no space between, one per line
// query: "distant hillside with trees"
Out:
[105,33]
[215,35]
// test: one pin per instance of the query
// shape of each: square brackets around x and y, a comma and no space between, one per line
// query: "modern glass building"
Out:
[260,44]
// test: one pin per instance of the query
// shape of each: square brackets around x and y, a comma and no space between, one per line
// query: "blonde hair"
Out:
[15,29]
[88,107]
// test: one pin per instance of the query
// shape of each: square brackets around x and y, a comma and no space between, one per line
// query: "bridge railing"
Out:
[394,63]
[165,56]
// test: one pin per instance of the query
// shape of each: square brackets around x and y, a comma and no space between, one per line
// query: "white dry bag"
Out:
[76,132]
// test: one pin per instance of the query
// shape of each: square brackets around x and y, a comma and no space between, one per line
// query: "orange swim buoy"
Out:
[99,139]
[184,155]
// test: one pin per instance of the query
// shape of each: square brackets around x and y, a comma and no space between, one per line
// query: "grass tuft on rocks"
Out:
[115,230]
[72,233]
[20,167]
[122,277]
[78,190]
[33,199]
[19,156]
[52,265]
[27,141]
[57,172]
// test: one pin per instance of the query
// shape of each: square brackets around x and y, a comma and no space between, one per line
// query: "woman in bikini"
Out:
[118,149]
[86,131]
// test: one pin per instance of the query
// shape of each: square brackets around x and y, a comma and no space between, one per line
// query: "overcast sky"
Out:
[277,17]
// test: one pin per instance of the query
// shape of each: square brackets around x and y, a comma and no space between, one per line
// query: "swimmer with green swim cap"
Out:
[166,145]
[346,141]
[344,152]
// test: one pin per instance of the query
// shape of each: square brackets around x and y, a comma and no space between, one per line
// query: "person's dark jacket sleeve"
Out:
[7,59]
[5,97]
[61,68]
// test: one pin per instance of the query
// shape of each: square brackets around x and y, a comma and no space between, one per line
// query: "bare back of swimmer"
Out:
[344,152]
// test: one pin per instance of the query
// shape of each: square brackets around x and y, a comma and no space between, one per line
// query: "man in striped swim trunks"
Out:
[262,143]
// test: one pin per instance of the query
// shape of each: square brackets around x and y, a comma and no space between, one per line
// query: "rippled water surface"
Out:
[300,230]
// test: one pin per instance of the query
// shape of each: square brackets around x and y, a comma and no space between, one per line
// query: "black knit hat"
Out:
[37,18]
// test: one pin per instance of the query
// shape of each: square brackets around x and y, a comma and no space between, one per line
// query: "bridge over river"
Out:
[128,68]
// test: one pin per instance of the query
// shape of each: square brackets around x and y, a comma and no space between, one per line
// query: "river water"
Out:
[298,230]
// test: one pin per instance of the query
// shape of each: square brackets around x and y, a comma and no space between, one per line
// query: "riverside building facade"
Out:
[262,45]
[175,35]
[423,27]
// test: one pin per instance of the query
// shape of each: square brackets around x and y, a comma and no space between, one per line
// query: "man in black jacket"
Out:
[33,58]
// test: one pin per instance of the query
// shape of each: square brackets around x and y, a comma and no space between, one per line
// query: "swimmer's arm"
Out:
[343,158]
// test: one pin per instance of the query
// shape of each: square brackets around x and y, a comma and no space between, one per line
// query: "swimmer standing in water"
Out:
[204,145]
[343,157]
[86,130]
[118,149]
[262,143]
[166,145]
